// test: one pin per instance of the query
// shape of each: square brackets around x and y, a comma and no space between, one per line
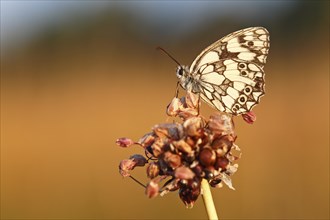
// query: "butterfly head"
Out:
[182,74]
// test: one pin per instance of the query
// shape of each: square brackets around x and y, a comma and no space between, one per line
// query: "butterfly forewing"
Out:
[230,73]
[250,44]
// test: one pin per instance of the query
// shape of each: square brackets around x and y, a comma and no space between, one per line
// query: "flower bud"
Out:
[209,172]
[182,146]
[193,126]
[249,117]
[221,124]
[172,160]
[207,157]
[169,130]
[221,162]
[174,107]
[152,189]
[124,142]
[125,166]
[139,160]
[198,170]
[223,144]
[147,140]
[191,100]
[189,195]
[157,147]
[152,170]
[188,113]
[184,173]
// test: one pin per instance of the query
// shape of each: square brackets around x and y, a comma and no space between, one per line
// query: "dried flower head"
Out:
[182,154]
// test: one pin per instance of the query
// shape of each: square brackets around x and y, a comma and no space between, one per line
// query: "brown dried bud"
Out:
[209,172]
[125,166]
[182,146]
[174,107]
[189,195]
[157,147]
[190,141]
[235,153]
[198,170]
[139,160]
[221,162]
[124,142]
[223,144]
[221,124]
[147,139]
[152,189]
[193,126]
[249,117]
[184,173]
[169,130]
[152,170]
[172,160]
[204,139]
[171,186]
[191,100]
[216,182]
[207,156]
[187,113]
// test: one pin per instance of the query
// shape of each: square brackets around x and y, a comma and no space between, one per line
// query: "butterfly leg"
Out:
[198,103]
[177,89]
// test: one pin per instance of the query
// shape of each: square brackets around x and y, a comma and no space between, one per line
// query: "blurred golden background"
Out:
[77,75]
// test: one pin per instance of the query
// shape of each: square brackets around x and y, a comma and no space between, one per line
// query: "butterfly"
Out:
[229,75]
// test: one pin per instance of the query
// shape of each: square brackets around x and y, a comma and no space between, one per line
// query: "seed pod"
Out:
[157,147]
[187,113]
[193,126]
[124,142]
[207,157]
[152,188]
[152,170]
[147,140]
[125,166]
[221,124]
[184,173]
[174,107]
[191,100]
[189,195]
[172,160]
[222,144]
[182,146]
[170,130]
[221,162]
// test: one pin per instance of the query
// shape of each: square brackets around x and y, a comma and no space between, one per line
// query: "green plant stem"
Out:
[208,201]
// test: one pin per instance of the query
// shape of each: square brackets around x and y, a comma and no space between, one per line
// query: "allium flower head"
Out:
[180,155]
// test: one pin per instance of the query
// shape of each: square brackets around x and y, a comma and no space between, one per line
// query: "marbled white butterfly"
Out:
[229,74]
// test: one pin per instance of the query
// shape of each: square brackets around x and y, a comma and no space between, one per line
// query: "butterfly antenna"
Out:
[169,55]
[162,49]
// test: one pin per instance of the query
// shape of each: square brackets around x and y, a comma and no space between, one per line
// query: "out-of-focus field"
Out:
[66,99]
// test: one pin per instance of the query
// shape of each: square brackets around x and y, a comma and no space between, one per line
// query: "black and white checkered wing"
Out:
[229,73]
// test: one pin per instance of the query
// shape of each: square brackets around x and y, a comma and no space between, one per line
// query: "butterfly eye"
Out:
[179,72]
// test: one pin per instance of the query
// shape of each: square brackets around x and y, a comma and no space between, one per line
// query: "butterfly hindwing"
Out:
[232,85]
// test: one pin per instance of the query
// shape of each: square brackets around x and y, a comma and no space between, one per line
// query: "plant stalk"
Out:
[208,201]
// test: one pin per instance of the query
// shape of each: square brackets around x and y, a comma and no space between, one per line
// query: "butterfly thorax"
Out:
[187,80]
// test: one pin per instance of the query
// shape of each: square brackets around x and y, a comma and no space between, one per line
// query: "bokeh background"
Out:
[76,75]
